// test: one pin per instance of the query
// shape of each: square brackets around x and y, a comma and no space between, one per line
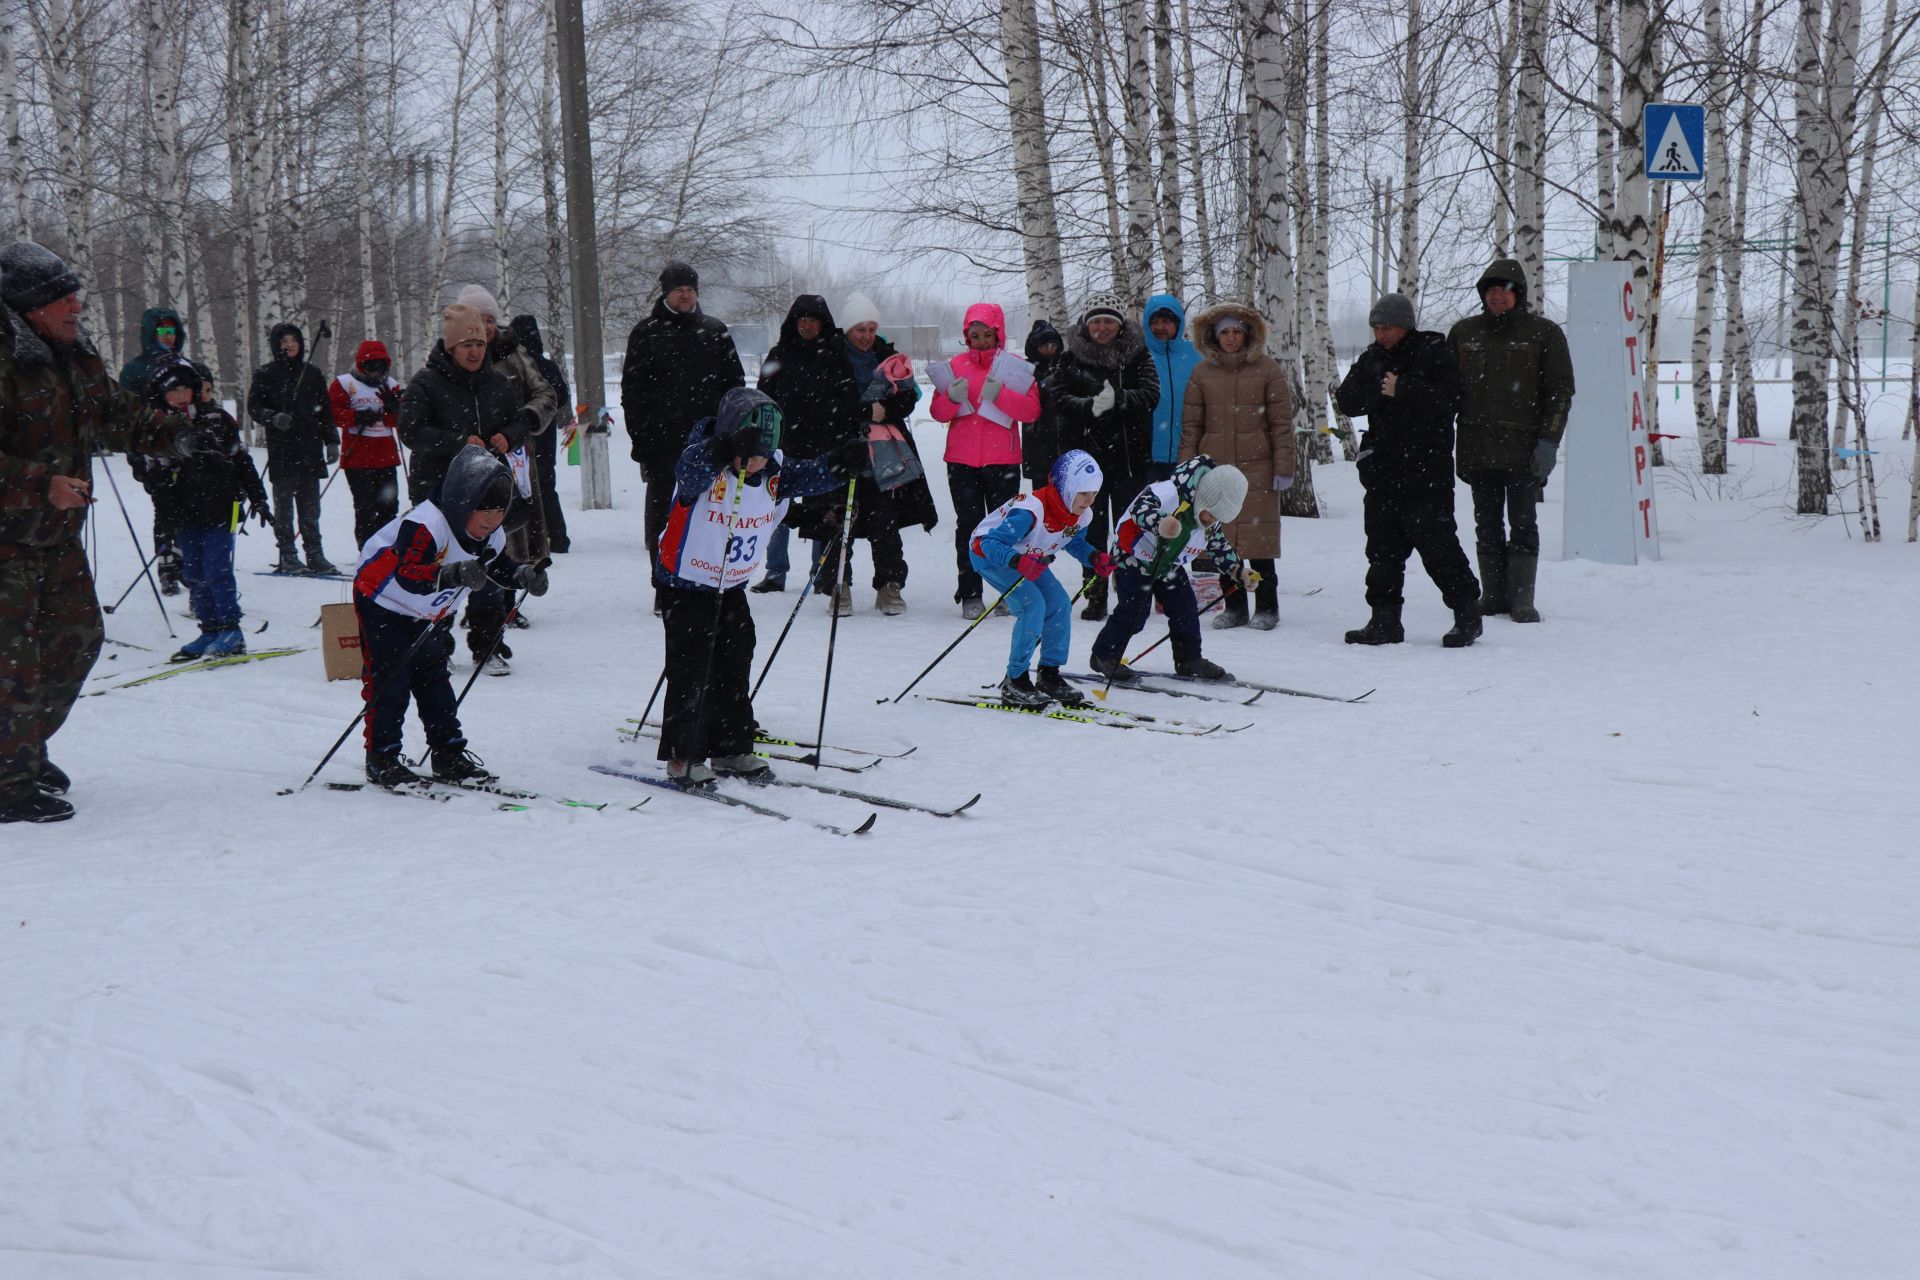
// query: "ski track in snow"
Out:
[1586,952]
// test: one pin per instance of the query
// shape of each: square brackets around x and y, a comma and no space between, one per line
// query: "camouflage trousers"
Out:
[50,635]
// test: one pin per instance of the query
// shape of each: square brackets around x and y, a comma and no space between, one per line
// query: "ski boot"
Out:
[1096,610]
[1198,668]
[387,769]
[689,773]
[318,564]
[746,766]
[201,647]
[1018,691]
[1057,687]
[289,562]
[457,764]
[228,641]
[768,586]
[1114,670]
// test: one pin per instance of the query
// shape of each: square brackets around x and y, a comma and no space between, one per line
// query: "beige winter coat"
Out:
[1238,411]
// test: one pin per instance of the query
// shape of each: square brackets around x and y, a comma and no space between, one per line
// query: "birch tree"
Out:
[1196,157]
[1709,426]
[1739,398]
[58,25]
[363,191]
[502,179]
[1136,112]
[1173,247]
[1411,110]
[1032,161]
[17,204]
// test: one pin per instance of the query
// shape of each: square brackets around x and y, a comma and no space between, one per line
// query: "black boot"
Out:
[457,764]
[1493,579]
[1018,691]
[1114,670]
[36,806]
[53,778]
[1383,628]
[169,566]
[387,769]
[1059,688]
[1096,610]
[1524,569]
[1466,627]
[1266,603]
[1198,668]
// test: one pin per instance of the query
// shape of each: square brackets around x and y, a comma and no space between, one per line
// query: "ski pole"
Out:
[795,613]
[498,636]
[965,632]
[137,548]
[109,608]
[833,623]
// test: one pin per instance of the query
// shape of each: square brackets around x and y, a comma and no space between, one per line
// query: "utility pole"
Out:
[583,259]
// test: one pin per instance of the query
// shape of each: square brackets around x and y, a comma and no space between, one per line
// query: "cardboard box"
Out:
[340,641]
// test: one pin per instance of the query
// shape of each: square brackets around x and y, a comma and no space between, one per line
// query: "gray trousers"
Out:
[303,495]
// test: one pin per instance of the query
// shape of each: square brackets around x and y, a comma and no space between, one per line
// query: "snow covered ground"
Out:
[1586,952]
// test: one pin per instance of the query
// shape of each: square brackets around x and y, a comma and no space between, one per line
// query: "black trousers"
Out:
[390,675]
[1266,596]
[658,504]
[1397,526]
[376,499]
[1135,593]
[297,500]
[486,619]
[708,712]
[976,491]
[1118,489]
[546,456]
[1514,495]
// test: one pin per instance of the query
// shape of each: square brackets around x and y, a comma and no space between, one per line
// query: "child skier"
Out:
[1156,544]
[732,486]
[412,575]
[366,409]
[1012,547]
[201,497]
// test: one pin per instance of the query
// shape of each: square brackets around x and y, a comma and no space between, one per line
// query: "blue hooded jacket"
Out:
[1174,360]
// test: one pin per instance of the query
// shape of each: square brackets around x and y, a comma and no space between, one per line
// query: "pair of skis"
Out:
[772,748]
[202,664]
[1093,714]
[512,799]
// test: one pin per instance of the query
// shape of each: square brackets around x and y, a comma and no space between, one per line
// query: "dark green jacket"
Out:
[56,408]
[137,372]
[1518,380]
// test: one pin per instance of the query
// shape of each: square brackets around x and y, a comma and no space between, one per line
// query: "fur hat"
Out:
[1105,303]
[678,275]
[857,309]
[1222,491]
[1394,309]
[480,300]
[32,275]
[461,323]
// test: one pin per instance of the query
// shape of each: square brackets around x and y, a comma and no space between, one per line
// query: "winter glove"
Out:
[333,454]
[531,578]
[390,398]
[194,440]
[1103,400]
[1169,526]
[1283,483]
[1244,574]
[531,416]
[1545,453]
[261,512]
[990,391]
[368,417]
[849,460]
[471,574]
[1031,566]
[1101,564]
[962,407]
[282,421]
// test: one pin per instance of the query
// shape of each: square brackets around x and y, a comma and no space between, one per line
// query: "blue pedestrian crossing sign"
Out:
[1675,137]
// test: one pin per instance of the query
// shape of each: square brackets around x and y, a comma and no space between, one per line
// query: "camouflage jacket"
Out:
[57,408]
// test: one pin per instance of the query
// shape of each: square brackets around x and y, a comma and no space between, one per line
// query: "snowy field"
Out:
[1586,952]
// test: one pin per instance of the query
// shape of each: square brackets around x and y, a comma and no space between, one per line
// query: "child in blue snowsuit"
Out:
[1012,548]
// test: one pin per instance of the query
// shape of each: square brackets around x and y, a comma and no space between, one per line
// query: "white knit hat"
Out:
[1221,491]
[480,300]
[857,309]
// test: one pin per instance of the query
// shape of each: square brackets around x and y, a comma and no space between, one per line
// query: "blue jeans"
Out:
[778,560]
[1135,596]
[206,555]
[1042,615]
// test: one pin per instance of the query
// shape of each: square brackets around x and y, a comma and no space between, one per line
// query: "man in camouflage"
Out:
[58,404]
[1519,386]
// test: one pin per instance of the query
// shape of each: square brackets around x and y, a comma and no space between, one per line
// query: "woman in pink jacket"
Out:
[983,454]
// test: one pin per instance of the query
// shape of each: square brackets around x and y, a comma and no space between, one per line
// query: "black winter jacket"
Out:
[1040,442]
[1407,450]
[201,488]
[1121,440]
[292,386]
[677,368]
[820,406]
[444,405]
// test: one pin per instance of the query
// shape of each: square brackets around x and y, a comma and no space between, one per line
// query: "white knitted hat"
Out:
[1222,491]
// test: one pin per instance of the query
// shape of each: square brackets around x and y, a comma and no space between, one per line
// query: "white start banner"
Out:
[1607,465]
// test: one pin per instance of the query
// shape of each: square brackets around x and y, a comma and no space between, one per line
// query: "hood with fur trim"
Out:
[1209,344]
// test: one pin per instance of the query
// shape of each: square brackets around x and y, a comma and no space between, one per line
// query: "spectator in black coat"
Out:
[1408,388]
[546,445]
[810,377]
[1040,443]
[288,397]
[679,363]
[879,515]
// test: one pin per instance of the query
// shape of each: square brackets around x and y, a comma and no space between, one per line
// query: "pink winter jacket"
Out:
[974,441]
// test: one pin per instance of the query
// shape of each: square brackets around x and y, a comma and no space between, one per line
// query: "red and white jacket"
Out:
[371,444]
